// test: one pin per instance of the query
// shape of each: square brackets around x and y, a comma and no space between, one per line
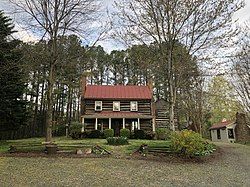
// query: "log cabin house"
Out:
[117,107]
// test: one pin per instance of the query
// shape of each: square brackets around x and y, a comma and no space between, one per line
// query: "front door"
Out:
[116,125]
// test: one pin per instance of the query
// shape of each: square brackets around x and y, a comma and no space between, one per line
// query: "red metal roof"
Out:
[221,125]
[105,114]
[117,92]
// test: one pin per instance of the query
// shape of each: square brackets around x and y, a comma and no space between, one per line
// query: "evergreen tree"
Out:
[12,106]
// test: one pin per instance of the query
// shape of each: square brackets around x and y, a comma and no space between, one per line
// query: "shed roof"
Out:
[117,92]
[221,125]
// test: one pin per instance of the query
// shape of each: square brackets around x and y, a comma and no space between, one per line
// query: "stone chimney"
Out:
[153,108]
[83,83]
[150,85]
[242,131]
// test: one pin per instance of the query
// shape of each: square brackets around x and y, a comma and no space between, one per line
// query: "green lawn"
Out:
[229,168]
[123,150]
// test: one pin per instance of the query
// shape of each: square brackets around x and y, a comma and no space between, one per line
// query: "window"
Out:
[133,106]
[218,134]
[116,106]
[98,106]
[230,133]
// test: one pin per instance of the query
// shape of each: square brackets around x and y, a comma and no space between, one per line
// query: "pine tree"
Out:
[12,106]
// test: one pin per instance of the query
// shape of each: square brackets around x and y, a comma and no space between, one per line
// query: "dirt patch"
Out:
[58,155]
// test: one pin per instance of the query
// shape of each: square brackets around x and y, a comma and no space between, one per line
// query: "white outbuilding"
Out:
[223,131]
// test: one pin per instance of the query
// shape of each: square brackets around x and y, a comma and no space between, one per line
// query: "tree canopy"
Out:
[222,100]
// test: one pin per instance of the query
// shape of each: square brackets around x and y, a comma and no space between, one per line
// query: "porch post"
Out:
[82,124]
[133,126]
[139,126]
[153,124]
[96,121]
[123,123]
[109,123]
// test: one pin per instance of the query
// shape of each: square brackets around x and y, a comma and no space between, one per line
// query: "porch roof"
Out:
[117,115]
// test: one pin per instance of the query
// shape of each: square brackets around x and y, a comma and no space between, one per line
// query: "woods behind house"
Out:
[41,81]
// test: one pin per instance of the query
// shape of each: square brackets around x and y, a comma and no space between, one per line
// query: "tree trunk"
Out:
[36,110]
[49,122]
[171,87]
[68,113]
[62,102]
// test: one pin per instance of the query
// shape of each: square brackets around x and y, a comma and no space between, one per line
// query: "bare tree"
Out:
[56,18]
[241,68]
[201,25]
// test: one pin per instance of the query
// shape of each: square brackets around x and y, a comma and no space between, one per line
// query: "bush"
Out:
[189,144]
[94,134]
[75,130]
[149,135]
[125,133]
[162,133]
[59,130]
[209,148]
[117,140]
[108,133]
[139,134]
[85,134]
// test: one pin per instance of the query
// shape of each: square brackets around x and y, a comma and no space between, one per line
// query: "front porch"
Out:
[120,121]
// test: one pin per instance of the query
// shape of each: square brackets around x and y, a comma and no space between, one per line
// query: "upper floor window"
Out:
[133,106]
[98,105]
[116,106]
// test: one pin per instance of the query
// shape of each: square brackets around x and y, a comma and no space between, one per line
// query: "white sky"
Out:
[243,14]
[26,35]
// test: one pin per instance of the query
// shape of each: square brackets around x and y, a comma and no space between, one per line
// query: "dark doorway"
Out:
[218,134]
[231,133]
[116,125]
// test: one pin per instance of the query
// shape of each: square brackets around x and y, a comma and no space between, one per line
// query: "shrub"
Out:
[149,135]
[189,143]
[125,133]
[94,134]
[108,133]
[117,140]
[85,134]
[59,130]
[162,133]
[209,148]
[139,134]
[75,130]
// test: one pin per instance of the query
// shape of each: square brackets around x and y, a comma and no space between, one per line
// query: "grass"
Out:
[231,169]
[123,150]
[110,171]
[244,143]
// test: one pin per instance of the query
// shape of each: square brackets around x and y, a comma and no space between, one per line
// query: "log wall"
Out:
[144,106]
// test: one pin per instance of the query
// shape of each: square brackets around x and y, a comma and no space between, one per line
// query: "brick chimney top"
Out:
[150,85]
[224,120]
